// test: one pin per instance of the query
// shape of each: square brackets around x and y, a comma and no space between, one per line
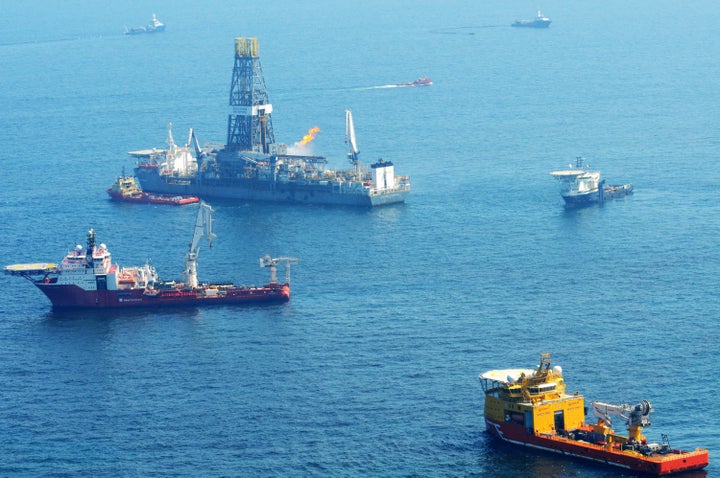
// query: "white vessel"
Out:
[580,186]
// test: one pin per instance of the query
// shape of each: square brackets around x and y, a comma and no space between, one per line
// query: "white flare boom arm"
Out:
[350,136]
[634,415]
[203,227]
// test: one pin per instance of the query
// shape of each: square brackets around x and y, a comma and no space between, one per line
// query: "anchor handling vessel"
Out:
[87,278]
[579,186]
[252,166]
[531,408]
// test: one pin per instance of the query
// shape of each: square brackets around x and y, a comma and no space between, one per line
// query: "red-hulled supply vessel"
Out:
[87,278]
[529,407]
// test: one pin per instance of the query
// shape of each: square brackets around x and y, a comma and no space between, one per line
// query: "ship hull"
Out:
[268,191]
[72,296]
[146,198]
[656,465]
[594,197]
[532,24]
[581,199]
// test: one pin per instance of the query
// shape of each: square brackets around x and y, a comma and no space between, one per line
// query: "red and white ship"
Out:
[530,408]
[87,278]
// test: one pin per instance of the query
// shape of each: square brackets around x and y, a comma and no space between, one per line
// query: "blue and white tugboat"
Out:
[579,186]
[540,21]
[152,27]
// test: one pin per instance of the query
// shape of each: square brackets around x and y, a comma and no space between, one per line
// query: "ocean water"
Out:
[371,369]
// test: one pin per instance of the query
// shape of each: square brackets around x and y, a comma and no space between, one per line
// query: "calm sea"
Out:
[371,369]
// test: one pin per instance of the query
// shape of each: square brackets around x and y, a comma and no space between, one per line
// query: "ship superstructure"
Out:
[87,278]
[530,407]
[252,166]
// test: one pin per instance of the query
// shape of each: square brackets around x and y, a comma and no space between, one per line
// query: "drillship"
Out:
[87,278]
[531,408]
[252,166]
[580,187]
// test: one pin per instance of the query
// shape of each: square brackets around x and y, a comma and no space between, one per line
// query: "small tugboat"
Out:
[87,278]
[540,21]
[125,188]
[422,81]
[531,408]
[153,27]
[580,187]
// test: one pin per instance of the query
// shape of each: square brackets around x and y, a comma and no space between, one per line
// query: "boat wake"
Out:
[378,87]
[461,30]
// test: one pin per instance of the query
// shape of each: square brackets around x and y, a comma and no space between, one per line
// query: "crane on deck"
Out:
[350,140]
[267,261]
[636,416]
[203,228]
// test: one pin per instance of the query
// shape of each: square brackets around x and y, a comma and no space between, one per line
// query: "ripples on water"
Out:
[371,368]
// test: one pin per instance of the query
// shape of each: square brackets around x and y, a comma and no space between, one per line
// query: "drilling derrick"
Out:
[249,121]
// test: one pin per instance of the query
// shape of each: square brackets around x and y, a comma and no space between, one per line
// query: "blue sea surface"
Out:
[371,369]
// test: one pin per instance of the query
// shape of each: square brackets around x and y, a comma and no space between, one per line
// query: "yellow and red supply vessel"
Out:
[531,408]
[125,188]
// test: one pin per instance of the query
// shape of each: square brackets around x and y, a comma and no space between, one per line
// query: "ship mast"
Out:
[203,227]
[350,140]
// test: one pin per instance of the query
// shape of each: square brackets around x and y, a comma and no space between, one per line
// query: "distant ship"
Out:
[422,81]
[125,188]
[540,21]
[252,166]
[87,278]
[579,186]
[530,407]
[154,26]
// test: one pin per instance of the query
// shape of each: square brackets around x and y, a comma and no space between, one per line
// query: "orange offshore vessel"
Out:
[530,408]
[125,188]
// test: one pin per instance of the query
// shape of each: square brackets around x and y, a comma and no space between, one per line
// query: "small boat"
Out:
[580,187]
[125,188]
[422,81]
[540,21]
[154,26]
[531,408]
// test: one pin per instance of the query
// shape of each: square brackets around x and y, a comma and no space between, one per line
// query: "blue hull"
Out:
[582,199]
[268,191]
[533,24]
[608,192]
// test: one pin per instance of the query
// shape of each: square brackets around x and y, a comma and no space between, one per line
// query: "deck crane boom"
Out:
[635,416]
[192,140]
[350,140]
[267,261]
[203,227]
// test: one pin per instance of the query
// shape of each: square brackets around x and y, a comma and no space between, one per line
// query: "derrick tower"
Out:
[249,121]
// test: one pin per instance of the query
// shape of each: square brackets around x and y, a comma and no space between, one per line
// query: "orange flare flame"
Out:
[310,136]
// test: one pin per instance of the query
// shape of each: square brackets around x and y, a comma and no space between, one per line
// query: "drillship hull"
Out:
[259,190]
[72,296]
[675,461]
